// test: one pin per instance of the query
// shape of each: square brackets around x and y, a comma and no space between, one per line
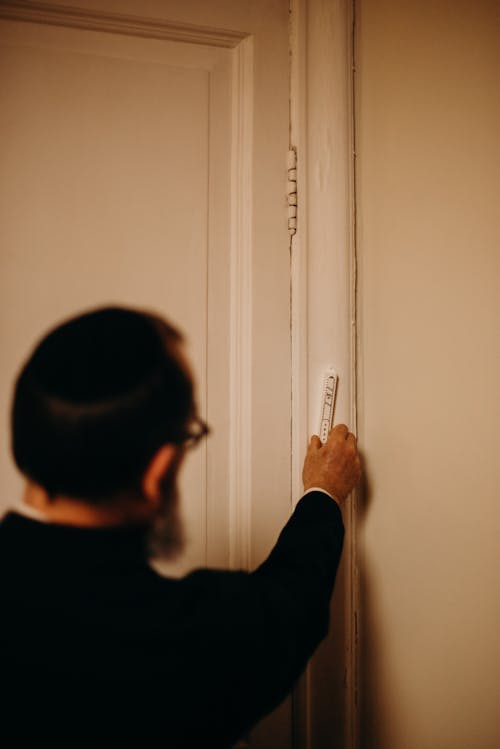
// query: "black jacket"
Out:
[97,649]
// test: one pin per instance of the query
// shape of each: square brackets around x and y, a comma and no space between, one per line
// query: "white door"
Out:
[143,162]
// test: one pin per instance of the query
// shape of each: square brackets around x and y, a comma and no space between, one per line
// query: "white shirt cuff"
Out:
[318,489]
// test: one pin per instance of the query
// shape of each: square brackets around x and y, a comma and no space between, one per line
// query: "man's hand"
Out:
[334,466]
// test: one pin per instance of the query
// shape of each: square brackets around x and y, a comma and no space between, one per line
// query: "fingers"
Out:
[315,442]
[341,432]
[351,439]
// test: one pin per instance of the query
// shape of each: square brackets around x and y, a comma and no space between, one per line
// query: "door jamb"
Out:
[323,296]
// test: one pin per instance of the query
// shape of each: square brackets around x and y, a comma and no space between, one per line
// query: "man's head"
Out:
[101,398]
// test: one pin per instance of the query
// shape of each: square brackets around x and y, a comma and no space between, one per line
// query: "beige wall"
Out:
[428,127]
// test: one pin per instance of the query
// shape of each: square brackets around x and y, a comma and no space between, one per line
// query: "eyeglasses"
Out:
[195,432]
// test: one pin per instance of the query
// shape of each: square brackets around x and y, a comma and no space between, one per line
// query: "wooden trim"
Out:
[301,729]
[298,244]
[117,23]
[323,290]
[240,412]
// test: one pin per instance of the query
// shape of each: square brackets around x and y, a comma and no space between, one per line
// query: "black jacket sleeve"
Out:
[308,549]
[299,573]
[283,614]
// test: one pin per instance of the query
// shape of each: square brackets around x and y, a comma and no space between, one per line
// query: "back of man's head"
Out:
[96,399]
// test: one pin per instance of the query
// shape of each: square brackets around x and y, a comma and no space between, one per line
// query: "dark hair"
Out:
[98,396]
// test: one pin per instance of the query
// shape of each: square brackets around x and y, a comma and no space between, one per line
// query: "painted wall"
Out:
[428,125]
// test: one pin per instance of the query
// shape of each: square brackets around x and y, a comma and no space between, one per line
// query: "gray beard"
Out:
[166,539]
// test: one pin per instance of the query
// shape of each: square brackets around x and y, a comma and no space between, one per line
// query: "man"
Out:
[96,649]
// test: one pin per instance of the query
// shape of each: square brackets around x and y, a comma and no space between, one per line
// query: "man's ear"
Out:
[156,470]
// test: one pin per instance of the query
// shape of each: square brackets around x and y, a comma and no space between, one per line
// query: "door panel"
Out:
[105,196]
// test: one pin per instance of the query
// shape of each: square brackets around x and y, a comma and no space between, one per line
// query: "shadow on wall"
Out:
[371,709]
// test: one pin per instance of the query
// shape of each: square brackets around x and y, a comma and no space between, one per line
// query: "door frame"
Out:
[323,310]
[322,280]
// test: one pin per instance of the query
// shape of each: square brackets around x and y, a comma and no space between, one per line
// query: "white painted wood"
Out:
[240,394]
[63,14]
[323,284]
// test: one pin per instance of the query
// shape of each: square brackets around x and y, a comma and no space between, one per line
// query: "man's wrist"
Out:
[319,489]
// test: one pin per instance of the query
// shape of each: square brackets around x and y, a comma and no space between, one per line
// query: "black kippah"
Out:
[103,353]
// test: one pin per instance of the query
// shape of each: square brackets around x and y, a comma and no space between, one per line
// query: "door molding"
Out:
[240,45]
[323,308]
[69,16]
[240,394]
